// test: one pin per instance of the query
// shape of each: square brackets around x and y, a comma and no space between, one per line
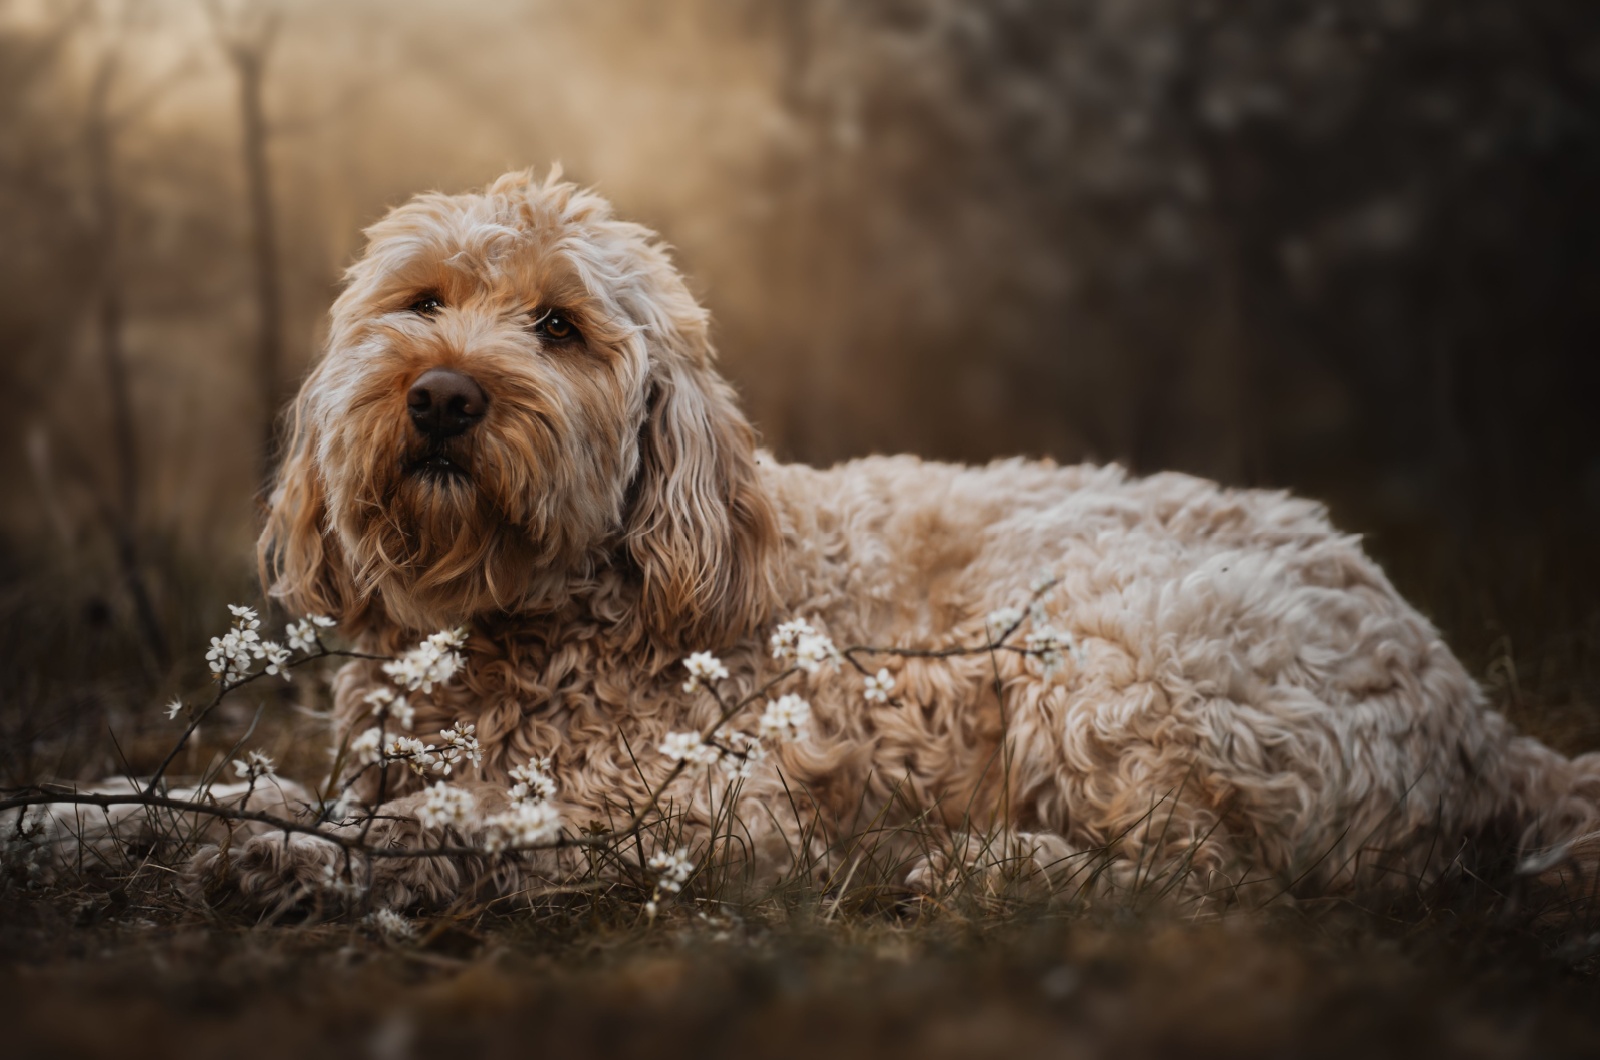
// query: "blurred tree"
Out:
[247,31]
[107,29]
[1277,241]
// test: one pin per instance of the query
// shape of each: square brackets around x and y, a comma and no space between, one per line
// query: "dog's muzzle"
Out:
[445,403]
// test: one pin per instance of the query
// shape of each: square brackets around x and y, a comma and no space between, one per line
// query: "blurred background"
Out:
[1350,249]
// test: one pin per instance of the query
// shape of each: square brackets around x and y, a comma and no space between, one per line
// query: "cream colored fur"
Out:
[1252,706]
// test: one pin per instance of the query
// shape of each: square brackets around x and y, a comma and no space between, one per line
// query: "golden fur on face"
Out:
[618,446]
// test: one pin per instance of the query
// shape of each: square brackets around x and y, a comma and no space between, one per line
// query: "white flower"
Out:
[228,655]
[879,686]
[798,641]
[785,718]
[392,925]
[433,662]
[526,824]
[787,634]
[1047,645]
[812,652]
[741,753]
[458,742]
[1042,582]
[277,657]
[254,765]
[385,704]
[533,781]
[447,804]
[302,635]
[1003,620]
[705,668]
[231,653]
[364,748]
[416,754]
[672,870]
[688,747]
[174,708]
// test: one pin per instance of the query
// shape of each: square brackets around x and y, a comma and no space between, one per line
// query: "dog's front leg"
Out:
[399,856]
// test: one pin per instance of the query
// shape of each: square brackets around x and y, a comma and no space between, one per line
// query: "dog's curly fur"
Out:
[1252,699]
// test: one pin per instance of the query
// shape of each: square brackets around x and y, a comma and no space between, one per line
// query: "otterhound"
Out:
[518,430]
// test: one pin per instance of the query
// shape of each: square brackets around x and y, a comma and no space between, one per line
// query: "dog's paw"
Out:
[276,873]
[991,863]
[932,874]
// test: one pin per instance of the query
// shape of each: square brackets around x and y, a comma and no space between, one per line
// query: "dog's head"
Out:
[516,398]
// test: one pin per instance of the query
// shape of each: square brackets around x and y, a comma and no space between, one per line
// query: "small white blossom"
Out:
[174,708]
[385,704]
[741,753]
[277,658]
[688,747]
[433,662]
[1047,645]
[704,668]
[302,635]
[413,752]
[526,824]
[363,749]
[1042,582]
[787,634]
[672,870]
[231,654]
[533,781]
[798,641]
[1003,620]
[785,718]
[879,686]
[447,804]
[254,765]
[458,742]
[811,652]
[392,925]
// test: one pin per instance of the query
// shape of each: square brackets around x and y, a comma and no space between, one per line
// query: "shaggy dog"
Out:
[517,429]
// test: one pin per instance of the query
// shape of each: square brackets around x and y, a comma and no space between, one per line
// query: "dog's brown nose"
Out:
[445,402]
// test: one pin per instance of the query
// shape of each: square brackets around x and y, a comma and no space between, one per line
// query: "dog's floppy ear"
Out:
[298,556]
[701,529]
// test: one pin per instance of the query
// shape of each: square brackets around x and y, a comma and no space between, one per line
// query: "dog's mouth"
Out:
[436,465]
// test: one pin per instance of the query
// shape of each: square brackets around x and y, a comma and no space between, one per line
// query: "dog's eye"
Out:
[427,305]
[555,325]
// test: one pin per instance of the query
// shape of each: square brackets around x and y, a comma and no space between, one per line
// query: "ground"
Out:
[1290,983]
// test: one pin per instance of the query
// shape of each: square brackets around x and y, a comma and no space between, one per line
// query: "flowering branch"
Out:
[531,823]
[231,656]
